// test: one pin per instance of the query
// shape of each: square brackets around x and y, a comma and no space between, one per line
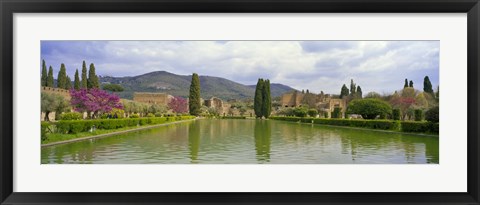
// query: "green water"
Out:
[215,141]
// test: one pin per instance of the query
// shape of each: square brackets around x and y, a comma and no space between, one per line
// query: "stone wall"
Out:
[57,91]
[152,98]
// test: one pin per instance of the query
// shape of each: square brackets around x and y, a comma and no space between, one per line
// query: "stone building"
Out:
[219,104]
[152,98]
[323,102]
[292,99]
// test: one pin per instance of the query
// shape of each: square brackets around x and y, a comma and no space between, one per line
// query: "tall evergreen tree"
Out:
[76,83]
[353,88]
[267,99]
[68,83]
[50,77]
[427,86]
[411,84]
[258,100]
[62,77]
[406,84]
[92,81]
[44,74]
[344,92]
[359,92]
[83,83]
[194,104]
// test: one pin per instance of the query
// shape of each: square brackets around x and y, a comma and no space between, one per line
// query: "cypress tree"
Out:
[359,92]
[344,91]
[76,83]
[83,83]
[411,84]
[352,88]
[68,83]
[427,85]
[92,81]
[406,84]
[62,77]
[194,96]
[44,74]
[50,77]
[267,99]
[258,100]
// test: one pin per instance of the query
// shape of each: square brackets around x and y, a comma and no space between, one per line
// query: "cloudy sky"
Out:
[380,66]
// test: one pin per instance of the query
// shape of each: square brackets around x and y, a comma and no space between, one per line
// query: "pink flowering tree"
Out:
[94,100]
[178,105]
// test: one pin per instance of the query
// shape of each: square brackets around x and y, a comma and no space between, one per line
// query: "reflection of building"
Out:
[152,98]
[322,102]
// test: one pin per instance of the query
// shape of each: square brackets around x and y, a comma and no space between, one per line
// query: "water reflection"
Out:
[194,141]
[262,135]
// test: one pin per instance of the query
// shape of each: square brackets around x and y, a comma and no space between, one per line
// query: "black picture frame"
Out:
[9,7]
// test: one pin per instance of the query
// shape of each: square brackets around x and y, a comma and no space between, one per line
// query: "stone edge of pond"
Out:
[110,134]
[360,128]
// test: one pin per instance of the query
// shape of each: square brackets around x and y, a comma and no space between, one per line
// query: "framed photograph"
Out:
[255,102]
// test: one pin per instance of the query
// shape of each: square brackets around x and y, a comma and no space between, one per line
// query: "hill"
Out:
[179,85]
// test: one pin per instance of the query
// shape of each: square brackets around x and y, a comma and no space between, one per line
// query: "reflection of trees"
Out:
[263,134]
[194,140]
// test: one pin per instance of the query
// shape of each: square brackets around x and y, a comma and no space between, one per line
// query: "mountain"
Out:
[179,85]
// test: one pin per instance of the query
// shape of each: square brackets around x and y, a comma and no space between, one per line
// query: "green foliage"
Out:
[76,83]
[194,104]
[84,82]
[418,115]
[396,114]
[300,111]
[353,88]
[258,99]
[134,116]
[369,108]
[267,99]
[422,127]
[71,116]
[44,129]
[410,84]
[432,115]
[373,95]
[406,84]
[150,115]
[44,74]
[359,92]
[112,87]
[371,124]
[344,92]
[234,117]
[312,112]
[158,114]
[62,77]
[336,113]
[52,103]
[427,85]
[50,81]
[68,83]
[92,81]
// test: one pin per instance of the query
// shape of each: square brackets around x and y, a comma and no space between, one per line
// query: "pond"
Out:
[239,141]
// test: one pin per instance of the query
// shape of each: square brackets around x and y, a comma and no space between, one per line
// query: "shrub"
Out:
[418,115]
[312,112]
[432,115]
[134,116]
[372,124]
[234,117]
[336,113]
[44,128]
[369,108]
[71,116]
[150,115]
[300,112]
[423,127]
[158,114]
[396,114]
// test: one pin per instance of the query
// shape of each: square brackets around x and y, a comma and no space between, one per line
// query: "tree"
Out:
[52,103]
[432,115]
[336,113]
[44,74]
[373,95]
[194,104]
[258,100]
[352,88]
[427,86]
[68,83]
[76,83]
[344,92]
[112,87]
[312,112]
[84,82]
[410,84]
[405,101]
[406,84]
[418,114]
[92,81]
[396,114]
[359,92]
[178,105]
[50,81]
[369,108]
[300,111]
[267,99]
[94,100]
[62,77]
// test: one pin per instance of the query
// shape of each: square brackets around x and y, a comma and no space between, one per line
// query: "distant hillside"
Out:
[179,85]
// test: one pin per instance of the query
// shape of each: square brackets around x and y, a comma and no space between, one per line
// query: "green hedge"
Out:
[44,128]
[234,117]
[422,127]
[76,126]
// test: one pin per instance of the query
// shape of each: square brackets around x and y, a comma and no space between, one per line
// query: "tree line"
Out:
[64,81]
